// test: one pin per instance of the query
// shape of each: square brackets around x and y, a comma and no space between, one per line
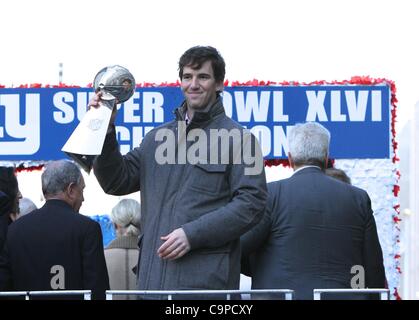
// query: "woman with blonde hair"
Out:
[122,253]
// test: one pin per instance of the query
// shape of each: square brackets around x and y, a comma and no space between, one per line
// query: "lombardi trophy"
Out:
[117,85]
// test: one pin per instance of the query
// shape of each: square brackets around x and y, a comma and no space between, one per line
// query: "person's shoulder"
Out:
[337,185]
[150,136]
[276,185]
[347,188]
[27,219]
[229,123]
[86,221]
[359,192]
[167,125]
[23,226]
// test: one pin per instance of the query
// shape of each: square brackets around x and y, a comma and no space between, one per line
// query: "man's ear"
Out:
[70,190]
[326,162]
[14,216]
[219,86]
[290,160]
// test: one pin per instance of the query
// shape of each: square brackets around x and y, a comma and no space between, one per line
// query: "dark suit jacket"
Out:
[4,224]
[54,235]
[314,230]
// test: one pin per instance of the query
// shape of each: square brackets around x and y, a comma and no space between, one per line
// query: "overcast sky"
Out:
[302,40]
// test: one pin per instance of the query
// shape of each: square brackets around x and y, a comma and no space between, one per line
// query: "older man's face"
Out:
[79,197]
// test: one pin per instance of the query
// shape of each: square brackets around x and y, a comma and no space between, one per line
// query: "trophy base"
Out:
[85,161]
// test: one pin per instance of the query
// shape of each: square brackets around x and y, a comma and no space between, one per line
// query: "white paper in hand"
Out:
[89,135]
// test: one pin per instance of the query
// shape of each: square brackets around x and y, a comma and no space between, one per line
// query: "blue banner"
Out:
[36,123]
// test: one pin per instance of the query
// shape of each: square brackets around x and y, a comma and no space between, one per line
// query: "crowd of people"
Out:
[201,222]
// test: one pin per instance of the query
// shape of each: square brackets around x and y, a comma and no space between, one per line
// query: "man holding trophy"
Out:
[193,214]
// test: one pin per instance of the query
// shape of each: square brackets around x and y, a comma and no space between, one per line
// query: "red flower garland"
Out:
[22,168]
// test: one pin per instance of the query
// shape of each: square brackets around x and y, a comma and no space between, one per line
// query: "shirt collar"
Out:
[304,167]
[186,117]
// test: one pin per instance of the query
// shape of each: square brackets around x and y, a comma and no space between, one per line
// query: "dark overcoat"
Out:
[213,203]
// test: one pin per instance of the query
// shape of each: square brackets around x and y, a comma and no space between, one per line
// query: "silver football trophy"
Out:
[86,142]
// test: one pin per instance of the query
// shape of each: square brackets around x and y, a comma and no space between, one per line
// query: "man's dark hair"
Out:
[8,189]
[195,57]
[338,174]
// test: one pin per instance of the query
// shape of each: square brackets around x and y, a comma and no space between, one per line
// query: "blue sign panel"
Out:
[36,123]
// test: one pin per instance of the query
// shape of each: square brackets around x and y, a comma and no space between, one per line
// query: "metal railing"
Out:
[289,294]
[15,294]
[87,294]
[384,293]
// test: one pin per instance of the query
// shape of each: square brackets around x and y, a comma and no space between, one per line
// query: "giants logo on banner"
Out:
[24,139]
[36,123]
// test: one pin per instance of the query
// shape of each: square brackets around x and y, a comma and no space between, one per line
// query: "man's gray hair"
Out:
[26,205]
[308,144]
[58,175]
